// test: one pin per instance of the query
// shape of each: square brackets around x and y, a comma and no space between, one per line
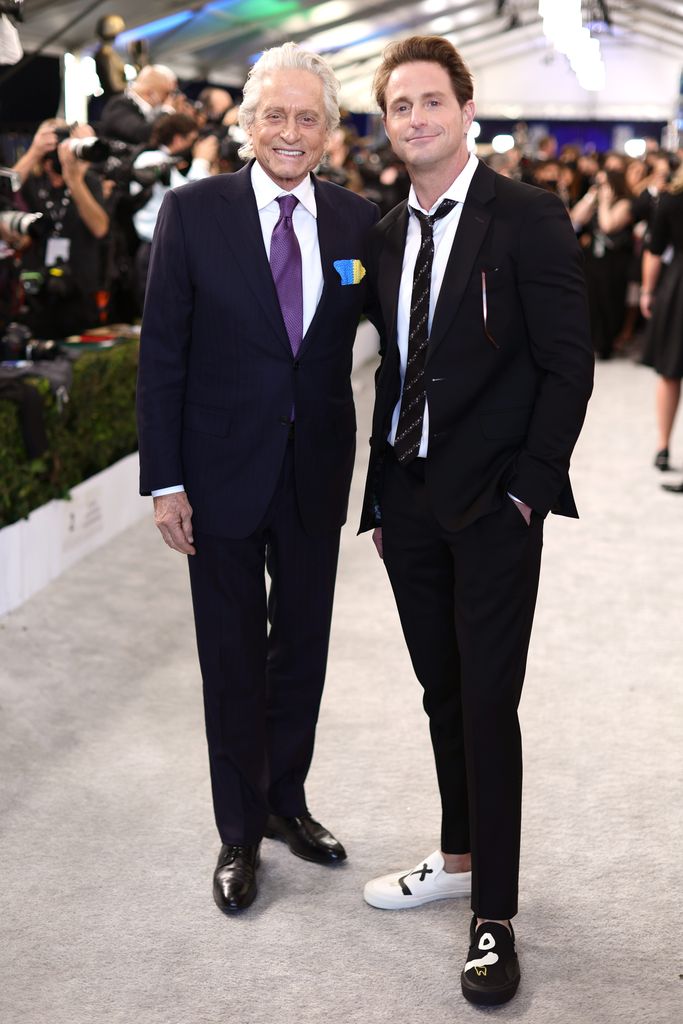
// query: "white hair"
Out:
[280,58]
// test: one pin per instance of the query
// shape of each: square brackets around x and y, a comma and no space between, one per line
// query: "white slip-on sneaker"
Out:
[426,883]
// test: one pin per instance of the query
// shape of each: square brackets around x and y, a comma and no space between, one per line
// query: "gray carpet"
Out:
[108,843]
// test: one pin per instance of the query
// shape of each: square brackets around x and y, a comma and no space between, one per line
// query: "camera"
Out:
[55,282]
[90,149]
[18,343]
[120,169]
[216,128]
[31,224]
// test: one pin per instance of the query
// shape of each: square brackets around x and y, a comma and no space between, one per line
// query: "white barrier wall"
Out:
[36,550]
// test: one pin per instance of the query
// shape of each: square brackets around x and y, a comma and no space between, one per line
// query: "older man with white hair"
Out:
[247,437]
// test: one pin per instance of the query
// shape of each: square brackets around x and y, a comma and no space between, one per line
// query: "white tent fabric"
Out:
[515,68]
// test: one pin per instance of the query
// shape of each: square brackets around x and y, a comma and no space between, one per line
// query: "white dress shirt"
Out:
[304,221]
[444,235]
[146,109]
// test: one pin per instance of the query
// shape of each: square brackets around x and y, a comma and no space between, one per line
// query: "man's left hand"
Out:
[173,517]
[524,509]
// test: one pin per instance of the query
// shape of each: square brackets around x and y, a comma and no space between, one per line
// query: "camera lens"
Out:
[92,150]
[22,223]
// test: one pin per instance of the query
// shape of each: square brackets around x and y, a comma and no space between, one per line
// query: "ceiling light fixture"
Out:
[563,27]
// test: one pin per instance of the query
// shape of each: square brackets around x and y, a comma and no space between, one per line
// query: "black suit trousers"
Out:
[466,602]
[263,654]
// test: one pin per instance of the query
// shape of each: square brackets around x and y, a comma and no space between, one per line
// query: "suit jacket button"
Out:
[295,364]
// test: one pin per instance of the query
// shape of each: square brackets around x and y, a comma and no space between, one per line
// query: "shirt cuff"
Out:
[168,490]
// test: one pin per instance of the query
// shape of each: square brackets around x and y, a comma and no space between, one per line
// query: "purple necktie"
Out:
[285,264]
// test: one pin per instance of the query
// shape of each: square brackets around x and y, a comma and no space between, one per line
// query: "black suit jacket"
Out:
[509,365]
[218,380]
[122,119]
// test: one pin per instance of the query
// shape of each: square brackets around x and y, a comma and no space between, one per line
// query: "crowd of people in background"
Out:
[84,262]
[628,216]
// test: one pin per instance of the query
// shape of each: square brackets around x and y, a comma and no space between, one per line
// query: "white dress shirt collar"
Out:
[143,106]
[266,190]
[456,191]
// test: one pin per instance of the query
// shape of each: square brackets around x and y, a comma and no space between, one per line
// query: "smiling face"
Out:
[289,130]
[425,124]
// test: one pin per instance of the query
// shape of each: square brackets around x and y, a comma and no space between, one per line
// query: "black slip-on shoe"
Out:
[306,838]
[491,974]
[234,880]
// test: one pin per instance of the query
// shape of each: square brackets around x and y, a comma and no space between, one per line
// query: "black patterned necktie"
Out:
[411,415]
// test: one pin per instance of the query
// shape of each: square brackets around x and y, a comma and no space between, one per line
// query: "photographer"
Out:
[173,136]
[129,117]
[65,263]
[218,110]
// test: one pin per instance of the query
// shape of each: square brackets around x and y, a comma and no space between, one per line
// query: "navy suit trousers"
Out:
[263,654]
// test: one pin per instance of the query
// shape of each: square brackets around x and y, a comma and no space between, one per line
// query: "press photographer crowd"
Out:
[78,210]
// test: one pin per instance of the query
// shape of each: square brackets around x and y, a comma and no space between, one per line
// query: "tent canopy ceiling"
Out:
[219,40]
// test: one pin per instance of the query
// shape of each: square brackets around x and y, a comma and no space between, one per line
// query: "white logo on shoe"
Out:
[484,961]
[487,941]
[422,872]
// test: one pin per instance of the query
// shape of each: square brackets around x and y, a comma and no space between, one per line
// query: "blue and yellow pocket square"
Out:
[350,271]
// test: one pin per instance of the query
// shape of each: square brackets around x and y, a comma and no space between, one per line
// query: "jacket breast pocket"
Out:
[494,278]
[506,424]
[206,420]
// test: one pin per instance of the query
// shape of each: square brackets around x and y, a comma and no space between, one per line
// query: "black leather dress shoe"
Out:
[673,488]
[306,838]
[234,880]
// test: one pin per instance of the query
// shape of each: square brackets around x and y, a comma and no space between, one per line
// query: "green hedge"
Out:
[92,431]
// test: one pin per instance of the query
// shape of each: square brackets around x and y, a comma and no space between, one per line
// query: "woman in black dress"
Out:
[663,307]
[602,219]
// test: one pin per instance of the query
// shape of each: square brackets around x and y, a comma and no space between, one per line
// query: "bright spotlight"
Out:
[635,147]
[502,143]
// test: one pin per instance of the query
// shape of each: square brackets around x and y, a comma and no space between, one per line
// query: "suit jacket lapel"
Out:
[474,222]
[327,223]
[391,267]
[242,230]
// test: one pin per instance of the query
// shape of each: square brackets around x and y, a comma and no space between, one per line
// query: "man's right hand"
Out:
[173,516]
[44,141]
[377,540]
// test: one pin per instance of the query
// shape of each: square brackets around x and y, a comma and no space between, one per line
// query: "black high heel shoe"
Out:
[662,460]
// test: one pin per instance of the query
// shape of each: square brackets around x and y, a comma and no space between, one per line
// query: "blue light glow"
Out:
[153,28]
